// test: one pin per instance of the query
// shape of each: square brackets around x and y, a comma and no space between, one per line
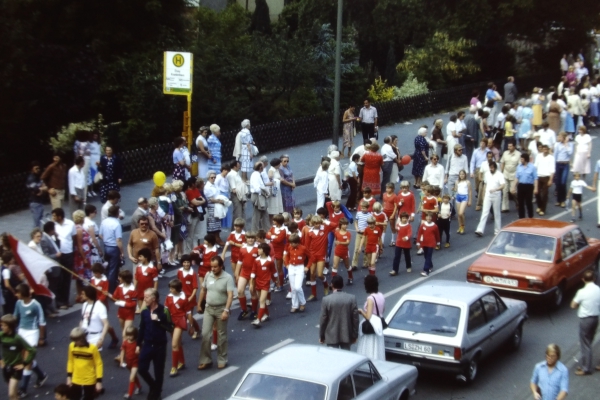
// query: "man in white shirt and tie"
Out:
[368,121]
[77,184]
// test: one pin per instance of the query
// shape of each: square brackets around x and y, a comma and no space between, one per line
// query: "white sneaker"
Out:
[264,318]
[268,302]
[213,346]
[289,295]
[325,271]
[256,323]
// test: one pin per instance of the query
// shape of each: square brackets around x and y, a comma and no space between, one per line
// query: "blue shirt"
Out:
[479,157]
[30,316]
[154,332]
[551,383]
[110,230]
[490,95]
[563,153]
[526,173]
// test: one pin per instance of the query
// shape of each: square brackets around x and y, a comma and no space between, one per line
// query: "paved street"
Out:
[503,376]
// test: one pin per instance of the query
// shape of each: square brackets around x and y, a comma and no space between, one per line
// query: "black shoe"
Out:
[242,315]
[350,282]
[252,316]
[41,382]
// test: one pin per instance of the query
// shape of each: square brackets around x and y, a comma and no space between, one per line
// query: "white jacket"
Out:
[221,209]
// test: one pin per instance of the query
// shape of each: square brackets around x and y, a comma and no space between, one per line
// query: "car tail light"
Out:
[457,353]
[473,276]
[535,283]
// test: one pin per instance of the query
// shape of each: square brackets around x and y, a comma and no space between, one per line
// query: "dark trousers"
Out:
[88,392]
[386,169]
[561,177]
[361,171]
[156,354]
[542,196]
[112,255]
[351,202]
[525,199]
[398,257]
[587,331]
[428,253]
[343,346]
[64,283]
[444,227]
[368,131]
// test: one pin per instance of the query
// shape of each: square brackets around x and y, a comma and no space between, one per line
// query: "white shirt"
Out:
[388,153]
[434,174]
[368,115]
[494,182]
[547,136]
[76,179]
[353,170]
[450,139]
[321,182]
[65,233]
[256,183]
[577,186]
[545,165]
[588,299]
[222,184]
[98,313]
[564,65]
[234,179]
[360,150]
[583,143]
[484,169]
[457,163]
[533,151]
[445,210]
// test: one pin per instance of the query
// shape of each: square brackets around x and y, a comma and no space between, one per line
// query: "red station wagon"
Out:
[534,259]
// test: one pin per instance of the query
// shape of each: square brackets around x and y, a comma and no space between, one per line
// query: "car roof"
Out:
[308,362]
[445,290]
[537,226]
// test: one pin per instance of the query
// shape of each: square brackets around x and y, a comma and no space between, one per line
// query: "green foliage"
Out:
[440,60]
[66,136]
[410,87]
[379,91]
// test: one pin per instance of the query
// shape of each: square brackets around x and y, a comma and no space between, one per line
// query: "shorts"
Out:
[461,198]
[245,273]
[31,336]
[341,251]
[126,314]
[235,257]
[316,258]
[132,364]
[577,197]
[190,306]
[180,322]
[388,213]
[266,287]
[8,372]
[202,273]
[372,248]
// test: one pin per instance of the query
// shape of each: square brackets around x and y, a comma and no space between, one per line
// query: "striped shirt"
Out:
[30,316]
[361,220]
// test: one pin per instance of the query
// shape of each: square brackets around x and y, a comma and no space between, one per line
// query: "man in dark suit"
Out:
[139,212]
[339,317]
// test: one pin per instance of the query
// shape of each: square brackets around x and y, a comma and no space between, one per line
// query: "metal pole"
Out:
[338,72]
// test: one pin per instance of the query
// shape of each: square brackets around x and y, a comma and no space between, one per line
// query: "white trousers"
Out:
[494,201]
[296,275]
[320,200]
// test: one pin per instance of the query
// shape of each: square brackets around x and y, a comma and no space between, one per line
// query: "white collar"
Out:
[178,297]
[264,260]
[186,273]
[125,289]
[102,278]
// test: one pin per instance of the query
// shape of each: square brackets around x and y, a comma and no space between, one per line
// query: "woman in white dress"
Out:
[334,175]
[275,202]
[372,345]
[242,150]
[90,226]
[395,172]
[583,152]
[203,153]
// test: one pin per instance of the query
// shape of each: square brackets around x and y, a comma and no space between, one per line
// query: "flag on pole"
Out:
[33,264]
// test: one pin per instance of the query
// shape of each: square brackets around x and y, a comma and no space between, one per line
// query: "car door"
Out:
[584,257]
[478,330]
[504,324]
[368,383]
[493,320]
[568,265]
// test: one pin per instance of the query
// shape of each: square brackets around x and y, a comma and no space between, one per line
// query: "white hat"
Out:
[334,154]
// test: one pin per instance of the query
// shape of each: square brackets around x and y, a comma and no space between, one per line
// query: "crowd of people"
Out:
[502,149]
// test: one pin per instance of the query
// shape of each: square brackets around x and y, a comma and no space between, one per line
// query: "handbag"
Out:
[254,150]
[367,327]
[98,177]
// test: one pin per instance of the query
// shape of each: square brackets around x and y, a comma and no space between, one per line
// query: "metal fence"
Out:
[141,163]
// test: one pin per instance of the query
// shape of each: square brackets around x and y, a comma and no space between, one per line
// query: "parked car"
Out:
[310,372]
[536,259]
[451,326]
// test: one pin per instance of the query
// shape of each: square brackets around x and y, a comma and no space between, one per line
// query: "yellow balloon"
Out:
[159,178]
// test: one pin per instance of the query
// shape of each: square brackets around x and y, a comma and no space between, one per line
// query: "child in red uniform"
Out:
[248,254]
[100,282]
[381,220]
[368,197]
[389,209]
[430,203]
[262,273]
[202,255]
[403,244]
[177,304]
[125,297]
[189,284]
[428,238]
[277,235]
[297,214]
[235,240]
[294,258]
[371,239]
[342,241]
[405,201]
[316,243]
[145,276]
[129,360]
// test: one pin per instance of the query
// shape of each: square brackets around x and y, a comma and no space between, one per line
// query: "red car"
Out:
[535,259]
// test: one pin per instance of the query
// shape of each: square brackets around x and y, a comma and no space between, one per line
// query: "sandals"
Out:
[301,309]
[294,310]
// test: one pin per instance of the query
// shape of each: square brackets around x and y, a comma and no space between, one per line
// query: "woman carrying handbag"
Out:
[370,333]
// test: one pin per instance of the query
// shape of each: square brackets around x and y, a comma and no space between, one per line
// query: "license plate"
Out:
[501,281]
[417,347]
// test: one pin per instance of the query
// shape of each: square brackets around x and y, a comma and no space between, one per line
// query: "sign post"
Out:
[178,80]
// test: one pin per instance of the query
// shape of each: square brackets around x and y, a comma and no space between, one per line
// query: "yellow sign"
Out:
[178,60]
[178,73]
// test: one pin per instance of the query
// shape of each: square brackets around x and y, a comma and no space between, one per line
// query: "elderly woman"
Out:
[82,251]
[334,174]
[202,151]
[288,184]
[372,167]
[214,148]
[224,190]
[180,210]
[525,127]
[158,225]
[211,192]
[274,202]
[537,100]
[243,150]
[95,154]
[438,137]
[420,156]
[90,226]
[36,240]
[112,171]
[179,159]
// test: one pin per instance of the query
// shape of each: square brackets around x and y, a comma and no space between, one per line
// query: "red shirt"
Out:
[102,284]
[192,194]
[295,255]
[189,281]
[304,239]
[428,235]
[371,201]
[277,236]
[341,250]
[206,253]
[430,203]
[262,271]
[334,216]
[129,349]
[301,223]
[317,239]
[239,239]
[372,235]
[177,305]
[129,296]
[145,276]
[247,256]
[404,231]
[389,203]
[405,203]
[380,218]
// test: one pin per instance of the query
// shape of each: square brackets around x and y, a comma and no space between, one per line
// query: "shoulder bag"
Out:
[367,327]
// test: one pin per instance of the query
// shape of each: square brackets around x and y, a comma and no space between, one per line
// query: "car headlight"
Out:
[473,276]
[535,282]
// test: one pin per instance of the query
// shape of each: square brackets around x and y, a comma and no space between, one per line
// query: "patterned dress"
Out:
[94,254]
[79,263]
[287,193]
[246,157]
[112,171]
[178,169]
[371,172]
[214,146]
[419,163]
[348,133]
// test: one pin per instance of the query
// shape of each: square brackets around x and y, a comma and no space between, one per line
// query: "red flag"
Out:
[33,265]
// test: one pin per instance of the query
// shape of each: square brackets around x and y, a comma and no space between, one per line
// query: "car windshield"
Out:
[524,246]
[423,317]
[269,387]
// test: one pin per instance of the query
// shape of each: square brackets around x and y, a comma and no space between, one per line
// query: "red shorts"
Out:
[372,248]
[180,322]
[142,286]
[132,363]
[245,273]
[388,213]
[234,259]
[190,306]
[126,314]
[341,251]
[317,258]
[259,288]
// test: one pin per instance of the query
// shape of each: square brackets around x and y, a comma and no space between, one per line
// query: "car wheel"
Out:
[516,338]
[558,295]
[471,370]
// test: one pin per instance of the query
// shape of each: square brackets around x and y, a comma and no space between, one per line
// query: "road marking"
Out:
[465,258]
[278,346]
[198,385]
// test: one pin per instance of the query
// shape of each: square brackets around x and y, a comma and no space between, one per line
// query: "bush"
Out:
[379,92]
[410,87]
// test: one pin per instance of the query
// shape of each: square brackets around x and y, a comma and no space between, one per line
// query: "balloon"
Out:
[406,159]
[159,178]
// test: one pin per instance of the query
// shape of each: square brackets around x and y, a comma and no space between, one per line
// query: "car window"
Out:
[365,376]
[423,317]
[523,246]
[579,239]
[490,306]
[476,316]
[501,306]
[568,246]
[346,389]
[268,387]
